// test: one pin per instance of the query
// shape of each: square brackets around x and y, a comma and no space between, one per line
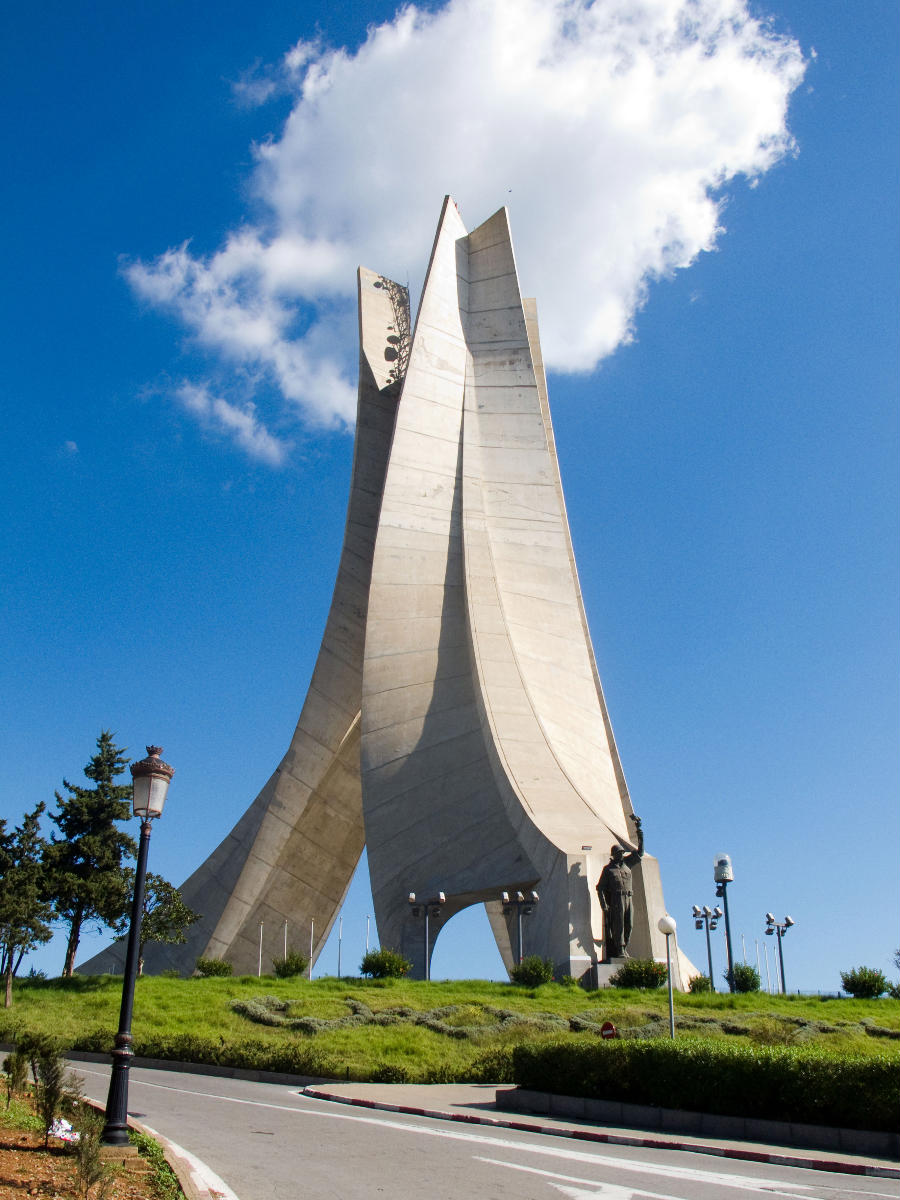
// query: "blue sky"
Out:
[178,454]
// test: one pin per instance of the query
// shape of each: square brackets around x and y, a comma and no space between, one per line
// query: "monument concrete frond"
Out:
[455,723]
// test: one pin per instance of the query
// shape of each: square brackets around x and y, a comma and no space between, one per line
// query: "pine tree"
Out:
[87,878]
[24,906]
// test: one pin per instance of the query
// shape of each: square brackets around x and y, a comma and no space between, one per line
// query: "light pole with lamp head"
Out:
[430,908]
[150,783]
[779,928]
[708,917]
[666,925]
[524,906]
[724,874]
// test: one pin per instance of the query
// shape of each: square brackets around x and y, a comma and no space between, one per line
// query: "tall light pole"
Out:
[724,875]
[427,908]
[524,906]
[779,928]
[708,917]
[150,783]
[666,925]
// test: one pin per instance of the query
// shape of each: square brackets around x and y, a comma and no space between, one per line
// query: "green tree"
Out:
[85,865]
[24,906]
[166,916]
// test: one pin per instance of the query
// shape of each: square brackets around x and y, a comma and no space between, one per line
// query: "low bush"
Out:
[639,973]
[865,983]
[208,968]
[746,978]
[699,983]
[294,963]
[703,1075]
[384,964]
[532,971]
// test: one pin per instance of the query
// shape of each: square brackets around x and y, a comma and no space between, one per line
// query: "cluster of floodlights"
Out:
[779,928]
[523,906]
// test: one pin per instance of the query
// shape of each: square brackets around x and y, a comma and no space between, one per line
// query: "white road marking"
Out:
[692,1174]
[590,1187]
[587,1189]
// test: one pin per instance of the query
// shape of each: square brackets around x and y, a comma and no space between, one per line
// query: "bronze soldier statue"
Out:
[615,893]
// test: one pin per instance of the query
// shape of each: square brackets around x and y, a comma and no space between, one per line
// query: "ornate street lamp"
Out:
[708,917]
[524,906]
[724,874]
[151,778]
[666,925]
[779,928]
[430,908]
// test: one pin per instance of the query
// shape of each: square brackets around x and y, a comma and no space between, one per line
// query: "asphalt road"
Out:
[268,1142]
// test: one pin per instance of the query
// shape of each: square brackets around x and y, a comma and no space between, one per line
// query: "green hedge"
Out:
[771,1082]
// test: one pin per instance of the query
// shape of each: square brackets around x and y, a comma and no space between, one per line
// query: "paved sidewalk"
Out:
[482,1103]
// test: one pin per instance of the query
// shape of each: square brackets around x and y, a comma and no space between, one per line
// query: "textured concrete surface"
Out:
[488,760]
[455,722]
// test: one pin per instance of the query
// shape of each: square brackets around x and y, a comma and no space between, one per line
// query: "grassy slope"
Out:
[168,1008]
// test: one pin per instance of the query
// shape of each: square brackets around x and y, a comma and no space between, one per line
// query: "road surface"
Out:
[269,1142]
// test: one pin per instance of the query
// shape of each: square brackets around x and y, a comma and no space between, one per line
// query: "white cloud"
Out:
[240,424]
[609,128]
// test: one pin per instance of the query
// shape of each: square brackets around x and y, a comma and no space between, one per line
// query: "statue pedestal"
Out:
[597,975]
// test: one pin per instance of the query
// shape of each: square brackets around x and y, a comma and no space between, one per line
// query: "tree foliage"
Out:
[25,908]
[532,971]
[166,916]
[384,964]
[746,978]
[85,864]
[865,983]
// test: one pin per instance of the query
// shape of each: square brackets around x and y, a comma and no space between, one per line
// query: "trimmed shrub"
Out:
[532,971]
[778,1083]
[746,978]
[207,968]
[384,964]
[699,983]
[865,983]
[295,963]
[639,973]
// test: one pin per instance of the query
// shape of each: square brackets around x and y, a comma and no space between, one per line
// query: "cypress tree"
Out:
[24,906]
[88,880]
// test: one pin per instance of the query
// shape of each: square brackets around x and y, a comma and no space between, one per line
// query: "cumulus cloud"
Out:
[239,423]
[611,130]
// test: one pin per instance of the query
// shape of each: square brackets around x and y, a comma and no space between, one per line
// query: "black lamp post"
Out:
[779,928]
[708,917]
[724,875]
[430,908]
[524,906]
[151,778]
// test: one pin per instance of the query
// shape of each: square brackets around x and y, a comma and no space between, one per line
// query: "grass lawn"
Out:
[443,1031]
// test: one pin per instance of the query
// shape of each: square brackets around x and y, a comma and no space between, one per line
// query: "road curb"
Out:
[197,1180]
[620,1139]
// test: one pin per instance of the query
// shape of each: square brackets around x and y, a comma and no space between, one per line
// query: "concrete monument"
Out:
[455,723]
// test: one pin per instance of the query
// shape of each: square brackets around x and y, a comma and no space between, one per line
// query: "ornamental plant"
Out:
[532,971]
[384,964]
[865,983]
[639,973]
[207,967]
[746,978]
[294,963]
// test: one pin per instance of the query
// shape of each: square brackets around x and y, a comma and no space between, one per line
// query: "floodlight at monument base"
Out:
[455,725]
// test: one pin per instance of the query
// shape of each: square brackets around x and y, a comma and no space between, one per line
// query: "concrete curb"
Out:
[616,1139]
[196,1179]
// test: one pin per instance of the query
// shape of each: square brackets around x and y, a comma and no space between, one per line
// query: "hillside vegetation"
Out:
[421,1032]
